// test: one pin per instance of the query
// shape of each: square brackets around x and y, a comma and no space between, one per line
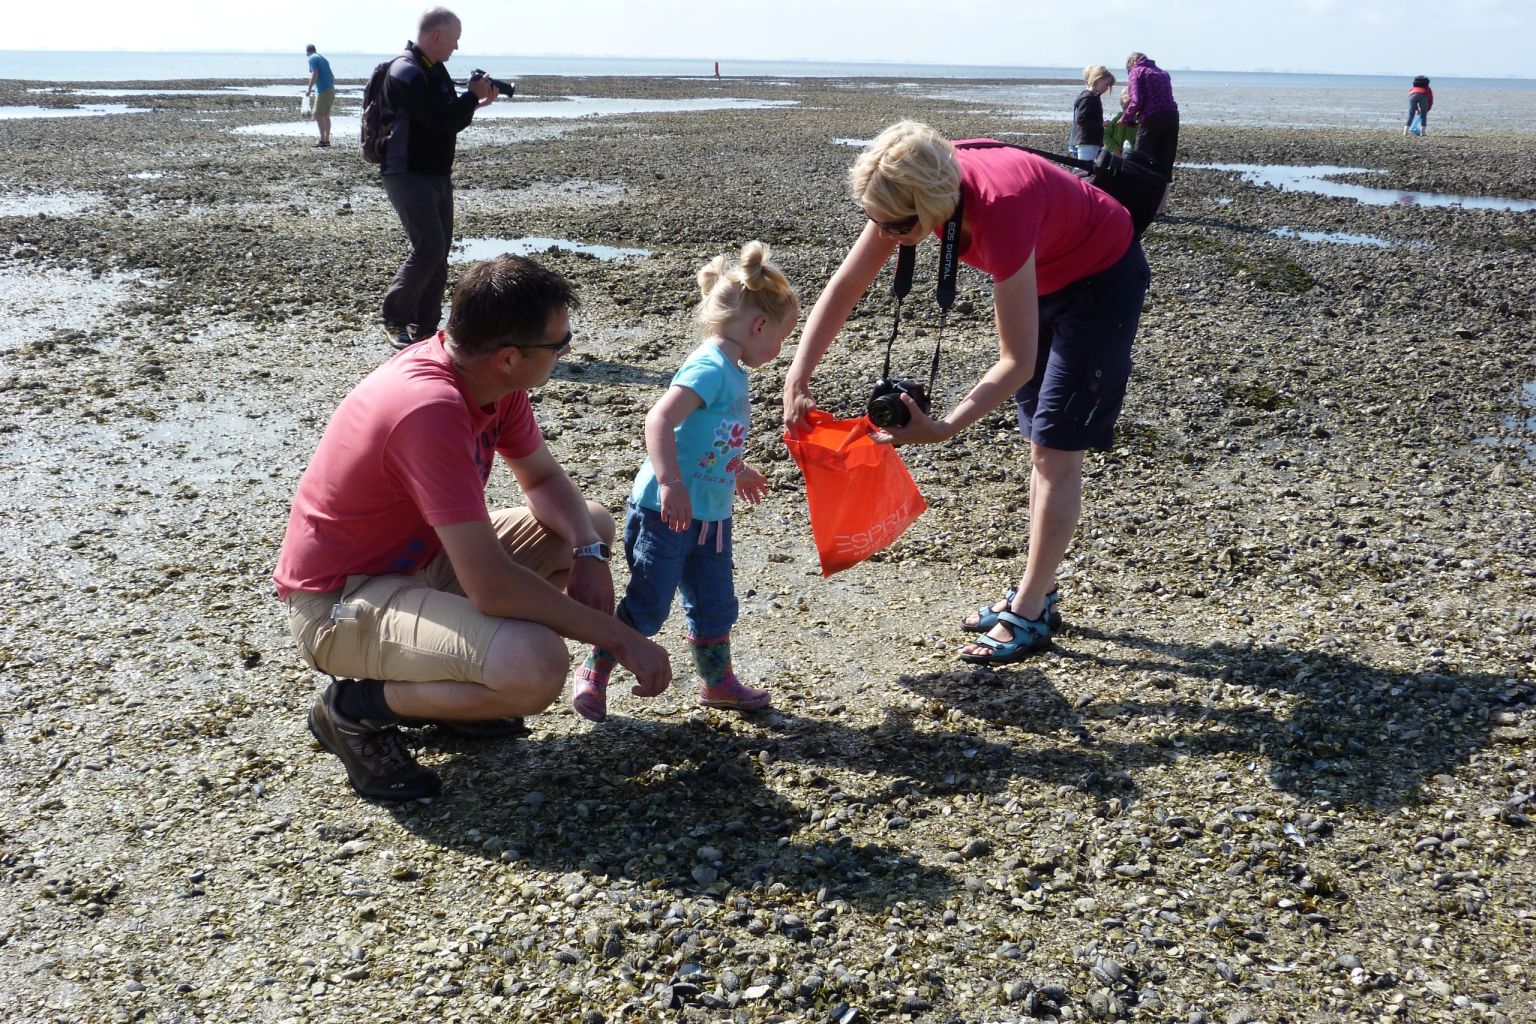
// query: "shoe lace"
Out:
[387,749]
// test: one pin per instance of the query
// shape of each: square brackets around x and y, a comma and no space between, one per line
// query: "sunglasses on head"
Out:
[893,227]
[559,346]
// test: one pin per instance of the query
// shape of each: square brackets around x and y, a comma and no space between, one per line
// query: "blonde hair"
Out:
[1135,56]
[1093,72]
[753,283]
[909,168]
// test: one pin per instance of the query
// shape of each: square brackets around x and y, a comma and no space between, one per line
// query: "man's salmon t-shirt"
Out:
[405,452]
[1018,203]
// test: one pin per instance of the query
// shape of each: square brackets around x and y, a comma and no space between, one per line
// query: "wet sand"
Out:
[1278,767]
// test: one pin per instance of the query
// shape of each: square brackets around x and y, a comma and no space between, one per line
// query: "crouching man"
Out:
[398,580]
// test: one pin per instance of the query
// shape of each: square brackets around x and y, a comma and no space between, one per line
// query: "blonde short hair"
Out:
[1093,72]
[752,284]
[909,168]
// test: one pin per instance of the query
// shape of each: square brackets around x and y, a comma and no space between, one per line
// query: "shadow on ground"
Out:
[1357,733]
[645,800]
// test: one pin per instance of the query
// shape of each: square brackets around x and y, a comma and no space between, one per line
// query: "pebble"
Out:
[1297,590]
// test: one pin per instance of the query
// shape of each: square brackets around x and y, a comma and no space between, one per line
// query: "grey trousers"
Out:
[424,203]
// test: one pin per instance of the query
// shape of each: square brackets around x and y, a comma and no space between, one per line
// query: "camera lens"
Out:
[887,411]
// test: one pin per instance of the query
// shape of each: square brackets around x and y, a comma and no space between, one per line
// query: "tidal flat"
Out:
[1280,766]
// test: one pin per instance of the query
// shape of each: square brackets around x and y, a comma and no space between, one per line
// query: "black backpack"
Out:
[375,129]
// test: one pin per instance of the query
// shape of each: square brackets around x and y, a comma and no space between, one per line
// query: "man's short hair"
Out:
[506,301]
[310,48]
[432,19]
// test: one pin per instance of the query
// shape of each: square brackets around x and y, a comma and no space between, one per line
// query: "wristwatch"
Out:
[599,551]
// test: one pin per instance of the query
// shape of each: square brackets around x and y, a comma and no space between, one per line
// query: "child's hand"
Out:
[676,507]
[751,484]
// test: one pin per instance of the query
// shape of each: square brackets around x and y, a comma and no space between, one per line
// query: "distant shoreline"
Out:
[133,65]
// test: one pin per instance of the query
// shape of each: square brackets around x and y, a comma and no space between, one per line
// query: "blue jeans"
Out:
[663,562]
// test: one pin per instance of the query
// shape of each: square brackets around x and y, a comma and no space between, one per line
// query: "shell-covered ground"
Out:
[1278,767]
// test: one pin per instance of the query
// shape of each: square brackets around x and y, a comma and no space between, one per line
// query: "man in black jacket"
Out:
[428,112]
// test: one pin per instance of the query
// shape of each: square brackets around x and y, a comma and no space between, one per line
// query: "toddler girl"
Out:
[677,527]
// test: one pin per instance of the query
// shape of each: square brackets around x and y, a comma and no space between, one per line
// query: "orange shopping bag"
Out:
[861,496]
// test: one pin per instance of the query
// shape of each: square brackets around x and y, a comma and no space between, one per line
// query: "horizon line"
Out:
[214,51]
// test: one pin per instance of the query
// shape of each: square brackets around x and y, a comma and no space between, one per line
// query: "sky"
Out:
[1453,38]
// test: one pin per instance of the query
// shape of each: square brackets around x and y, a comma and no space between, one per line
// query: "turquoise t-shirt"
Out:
[324,80]
[711,441]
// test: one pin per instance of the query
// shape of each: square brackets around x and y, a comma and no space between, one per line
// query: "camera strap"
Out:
[949,272]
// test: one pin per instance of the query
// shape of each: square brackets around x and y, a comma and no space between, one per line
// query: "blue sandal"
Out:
[986,617]
[1029,636]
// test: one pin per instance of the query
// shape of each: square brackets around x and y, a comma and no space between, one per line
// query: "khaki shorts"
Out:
[417,628]
[325,99]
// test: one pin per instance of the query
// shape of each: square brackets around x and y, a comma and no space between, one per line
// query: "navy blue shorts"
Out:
[1083,361]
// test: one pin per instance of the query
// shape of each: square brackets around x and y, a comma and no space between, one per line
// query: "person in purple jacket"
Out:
[1152,109]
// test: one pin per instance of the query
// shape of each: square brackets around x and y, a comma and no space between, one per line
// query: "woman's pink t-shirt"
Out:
[1018,203]
[405,452]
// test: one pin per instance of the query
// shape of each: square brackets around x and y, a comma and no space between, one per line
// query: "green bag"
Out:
[1117,134]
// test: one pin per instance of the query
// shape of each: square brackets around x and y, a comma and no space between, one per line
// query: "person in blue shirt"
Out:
[322,86]
[677,528]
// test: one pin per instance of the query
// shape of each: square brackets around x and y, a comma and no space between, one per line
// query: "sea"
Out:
[1270,98]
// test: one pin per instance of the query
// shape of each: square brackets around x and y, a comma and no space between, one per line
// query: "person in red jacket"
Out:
[1420,100]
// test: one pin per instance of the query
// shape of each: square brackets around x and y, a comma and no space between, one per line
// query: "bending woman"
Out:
[1068,282]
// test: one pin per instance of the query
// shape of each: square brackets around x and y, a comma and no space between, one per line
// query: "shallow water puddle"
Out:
[341,128]
[1519,429]
[1316,179]
[1338,237]
[569,107]
[227,90]
[36,303]
[470,249]
[83,110]
[54,204]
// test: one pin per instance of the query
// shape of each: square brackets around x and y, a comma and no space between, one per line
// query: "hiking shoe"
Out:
[400,335]
[378,764]
[322,145]
[487,729]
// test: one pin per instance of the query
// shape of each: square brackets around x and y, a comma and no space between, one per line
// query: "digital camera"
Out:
[886,409]
[505,88]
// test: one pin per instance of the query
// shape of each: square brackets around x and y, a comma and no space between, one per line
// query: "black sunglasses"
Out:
[559,346]
[893,227]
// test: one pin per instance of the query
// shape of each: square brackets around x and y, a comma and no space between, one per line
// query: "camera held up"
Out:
[505,88]
[886,409]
